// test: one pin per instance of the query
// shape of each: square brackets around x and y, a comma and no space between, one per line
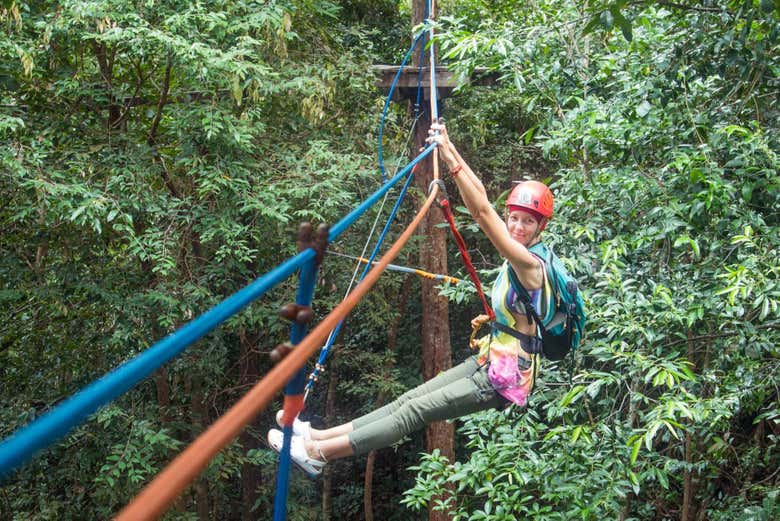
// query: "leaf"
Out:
[662,479]
[634,481]
[671,429]
[625,25]
[650,435]
[77,212]
[635,450]
[571,395]
[643,109]
[528,135]
[591,25]
[607,20]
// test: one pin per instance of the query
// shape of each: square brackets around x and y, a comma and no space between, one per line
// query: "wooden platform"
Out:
[446,81]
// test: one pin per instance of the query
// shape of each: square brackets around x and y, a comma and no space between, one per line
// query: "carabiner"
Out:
[442,191]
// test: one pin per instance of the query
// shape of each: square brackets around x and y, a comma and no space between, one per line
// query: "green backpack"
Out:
[563,332]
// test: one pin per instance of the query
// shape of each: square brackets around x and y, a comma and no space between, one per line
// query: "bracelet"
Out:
[455,171]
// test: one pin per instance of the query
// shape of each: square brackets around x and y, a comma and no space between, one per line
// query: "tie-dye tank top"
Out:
[503,349]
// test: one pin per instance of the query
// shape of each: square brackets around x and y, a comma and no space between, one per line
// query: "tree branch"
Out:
[152,136]
[151,139]
[773,325]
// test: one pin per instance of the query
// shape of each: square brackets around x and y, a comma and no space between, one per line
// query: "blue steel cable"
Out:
[387,103]
[46,429]
[26,441]
[421,37]
[332,338]
[306,283]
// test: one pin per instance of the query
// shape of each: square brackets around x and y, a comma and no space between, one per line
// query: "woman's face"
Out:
[523,227]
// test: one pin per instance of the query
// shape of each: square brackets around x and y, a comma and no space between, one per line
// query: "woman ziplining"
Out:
[524,301]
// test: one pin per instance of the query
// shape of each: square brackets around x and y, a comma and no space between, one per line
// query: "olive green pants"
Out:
[459,391]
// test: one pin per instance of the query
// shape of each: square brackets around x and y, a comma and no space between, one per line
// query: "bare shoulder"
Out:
[531,277]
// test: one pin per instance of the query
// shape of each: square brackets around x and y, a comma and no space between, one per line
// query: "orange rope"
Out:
[158,495]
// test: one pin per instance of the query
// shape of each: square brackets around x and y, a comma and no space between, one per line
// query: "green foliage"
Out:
[156,156]
[663,141]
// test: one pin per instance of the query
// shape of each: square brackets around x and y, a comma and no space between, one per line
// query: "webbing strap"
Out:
[530,344]
[446,209]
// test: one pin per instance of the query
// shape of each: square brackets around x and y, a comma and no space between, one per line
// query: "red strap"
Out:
[444,204]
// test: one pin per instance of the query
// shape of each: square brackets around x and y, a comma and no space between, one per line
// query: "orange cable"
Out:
[158,495]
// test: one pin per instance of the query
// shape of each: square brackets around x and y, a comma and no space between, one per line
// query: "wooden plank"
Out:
[446,80]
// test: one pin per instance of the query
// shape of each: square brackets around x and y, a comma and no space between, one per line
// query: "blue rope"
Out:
[59,421]
[306,283]
[20,446]
[332,338]
[387,103]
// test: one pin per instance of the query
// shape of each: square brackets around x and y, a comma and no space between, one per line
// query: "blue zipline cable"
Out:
[20,446]
[339,227]
[421,37]
[434,116]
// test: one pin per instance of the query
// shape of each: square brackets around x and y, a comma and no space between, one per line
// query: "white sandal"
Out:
[298,455]
[300,428]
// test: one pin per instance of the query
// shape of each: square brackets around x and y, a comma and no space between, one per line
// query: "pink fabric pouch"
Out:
[505,376]
[503,372]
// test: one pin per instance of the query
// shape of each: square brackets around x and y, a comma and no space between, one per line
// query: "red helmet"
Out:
[532,196]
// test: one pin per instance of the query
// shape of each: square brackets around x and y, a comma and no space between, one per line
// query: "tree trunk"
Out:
[437,353]
[105,59]
[250,475]
[632,419]
[436,349]
[368,487]
[689,508]
[202,494]
[163,394]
